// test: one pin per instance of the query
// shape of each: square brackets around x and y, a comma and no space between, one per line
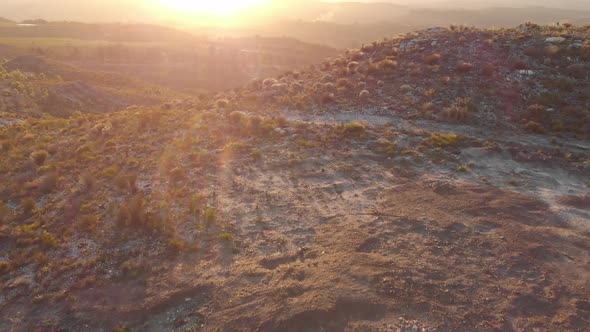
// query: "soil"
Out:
[358,243]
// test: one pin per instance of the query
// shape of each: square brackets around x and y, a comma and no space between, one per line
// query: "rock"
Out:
[555,40]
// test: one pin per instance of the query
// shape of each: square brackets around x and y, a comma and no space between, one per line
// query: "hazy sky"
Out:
[144,10]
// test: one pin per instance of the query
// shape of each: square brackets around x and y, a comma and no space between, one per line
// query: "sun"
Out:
[212,7]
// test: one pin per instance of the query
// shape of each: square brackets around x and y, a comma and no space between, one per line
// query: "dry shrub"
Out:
[432,59]
[131,212]
[345,83]
[387,65]
[534,127]
[464,67]
[519,64]
[48,183]
[488,70]
[39,157]
[551,50]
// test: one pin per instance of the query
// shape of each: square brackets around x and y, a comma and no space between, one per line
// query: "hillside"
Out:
[34,85]
[161,55]
[434,181]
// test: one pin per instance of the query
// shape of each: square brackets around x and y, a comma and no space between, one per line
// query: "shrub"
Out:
[534,127]
[536,111]
[131,212]
[110,172]
[236,118]
[48,240]
[432,59]
[39,157]
[387,65]
[48,183]
[364,95]
[210,216]
[176,174]
[87,182]
[551,50]
[4,212]
[222,103]
[353,129]
[488,70]
[442,140]
[237,147]
[225,237]
[353,65]
[519,65]
[177,244]
[386,148]
[456,113]
[464,67]
[345,83]
[28,205]
[327,98]
[5,145]
[4,267]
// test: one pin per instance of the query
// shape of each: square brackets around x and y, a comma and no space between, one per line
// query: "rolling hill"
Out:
[431,181]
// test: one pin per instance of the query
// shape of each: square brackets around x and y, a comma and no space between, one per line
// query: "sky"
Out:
[156,11]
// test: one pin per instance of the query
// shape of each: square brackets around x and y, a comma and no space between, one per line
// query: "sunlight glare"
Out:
[212,7]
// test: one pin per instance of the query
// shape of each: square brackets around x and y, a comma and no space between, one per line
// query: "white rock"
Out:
[555,40]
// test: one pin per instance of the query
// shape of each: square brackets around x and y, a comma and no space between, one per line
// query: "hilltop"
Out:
[433,181]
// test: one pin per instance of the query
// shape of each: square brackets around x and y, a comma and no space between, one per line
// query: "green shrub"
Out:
[386,148]
[226,237]
[355,129]
[442,140]
[210,216]
[48,240]
[110,172]
[177,244]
